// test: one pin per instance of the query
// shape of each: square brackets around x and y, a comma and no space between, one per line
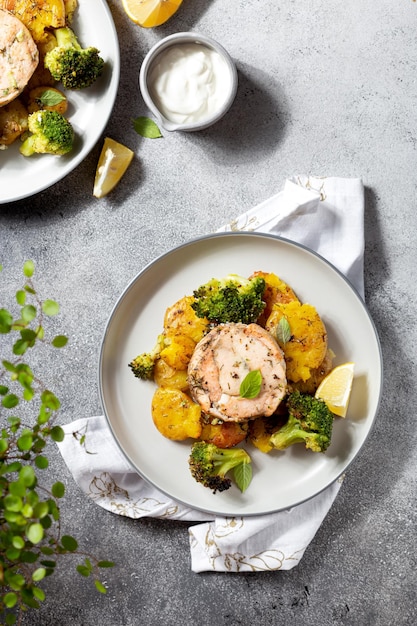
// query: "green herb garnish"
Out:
[145,127]
[251,385]
[283,331]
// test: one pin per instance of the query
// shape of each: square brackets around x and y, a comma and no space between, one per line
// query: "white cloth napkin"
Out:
[325,214]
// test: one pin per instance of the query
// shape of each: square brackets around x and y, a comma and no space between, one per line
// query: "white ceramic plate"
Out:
[280,479]
[88,111]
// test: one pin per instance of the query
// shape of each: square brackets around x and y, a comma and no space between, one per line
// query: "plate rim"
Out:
[234,235]
[110,93]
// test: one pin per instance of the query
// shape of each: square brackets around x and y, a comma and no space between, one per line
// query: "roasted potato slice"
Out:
[175,415]
[40,96]
[261,429]
[13,121]
[178,351]
[180,318]
[37,15]
[166,376]
[307,346]
[276,292]
[225,435]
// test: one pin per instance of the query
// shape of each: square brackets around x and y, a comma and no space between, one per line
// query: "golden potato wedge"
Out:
[39,97]
[261,429]
[178,351]
[37,15]
[175,415]
[13,121]
[181,318]
[307,346]
[226,435]
[166,376]
[276,292]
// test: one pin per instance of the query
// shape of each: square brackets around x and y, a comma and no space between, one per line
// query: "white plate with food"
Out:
[281,479]
[88,111]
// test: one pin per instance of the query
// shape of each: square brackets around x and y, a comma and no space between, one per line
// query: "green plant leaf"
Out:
[83,570]
[100,587]
[9,600]
[50,400]
[25,441]
[243,475]
[41,462]
[28,269]
[283,332]
[28,313]
[105,564]
[38,574]
[58,489]
[251,385]
[57,434]
[59,341]
[35,533]
[146,127]
[69,543]
[21,297]
[6,321]
[10,401]
[50,307]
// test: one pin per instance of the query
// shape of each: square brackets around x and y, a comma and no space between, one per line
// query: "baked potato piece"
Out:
[261,429]
[37,15]
[166,376]
[39,96]
[175,415]
[276,292]
[178,350]
[317,375]
[180,318]
[307,345]
[225,435]
[13,121]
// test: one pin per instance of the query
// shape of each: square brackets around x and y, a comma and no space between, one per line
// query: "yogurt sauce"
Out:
[189,83]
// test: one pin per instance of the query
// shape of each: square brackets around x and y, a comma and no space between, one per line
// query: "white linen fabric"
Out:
[326,215]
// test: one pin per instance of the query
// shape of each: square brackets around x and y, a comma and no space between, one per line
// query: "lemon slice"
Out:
[114,160]
[336,387]
[150,13]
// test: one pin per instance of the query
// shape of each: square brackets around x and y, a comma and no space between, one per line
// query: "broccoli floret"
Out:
[143,365]
[230,300]
[75,67]
[310,421]
[51,132]
[210,464]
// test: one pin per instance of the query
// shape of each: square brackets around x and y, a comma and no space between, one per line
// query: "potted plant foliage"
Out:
[31,537]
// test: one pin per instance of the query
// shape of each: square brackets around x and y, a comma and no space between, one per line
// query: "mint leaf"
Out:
[146,127]
[251,385]
[243,475]
[283,331]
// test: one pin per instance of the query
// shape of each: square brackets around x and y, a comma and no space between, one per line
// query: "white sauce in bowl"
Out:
[189,83]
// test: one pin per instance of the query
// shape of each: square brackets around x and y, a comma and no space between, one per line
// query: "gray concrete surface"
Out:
[325,89]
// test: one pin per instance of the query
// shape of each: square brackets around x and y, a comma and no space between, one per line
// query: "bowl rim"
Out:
[172,40]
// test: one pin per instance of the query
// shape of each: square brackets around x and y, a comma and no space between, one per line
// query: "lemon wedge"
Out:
[335,389]
[114,160]
[150,13]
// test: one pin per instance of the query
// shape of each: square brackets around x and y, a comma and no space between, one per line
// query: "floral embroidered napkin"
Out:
[326,215]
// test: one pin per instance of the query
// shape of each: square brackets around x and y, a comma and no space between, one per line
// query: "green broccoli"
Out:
[143,365]
[210,464]
[51,132]
[230,300]
[310,421]
[75,67]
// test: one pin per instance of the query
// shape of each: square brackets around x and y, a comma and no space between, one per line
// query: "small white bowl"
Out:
[148,65]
